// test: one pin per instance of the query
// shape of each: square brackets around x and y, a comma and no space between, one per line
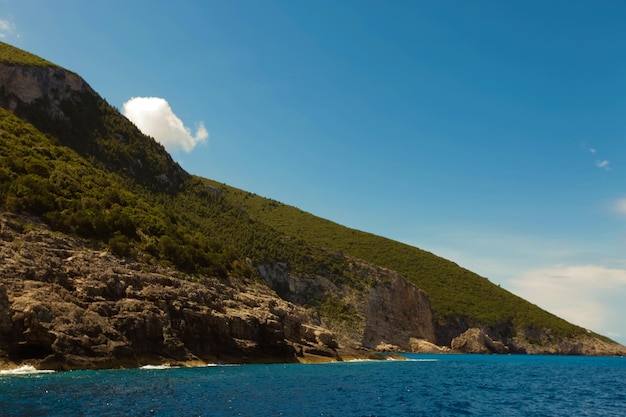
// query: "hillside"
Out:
[78,176]
[460,298]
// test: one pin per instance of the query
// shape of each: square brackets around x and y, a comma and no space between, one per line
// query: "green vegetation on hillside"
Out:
[192,229]
[41,177]
[15,56]
[455,293]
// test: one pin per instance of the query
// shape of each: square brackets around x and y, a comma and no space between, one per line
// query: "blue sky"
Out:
[492,133]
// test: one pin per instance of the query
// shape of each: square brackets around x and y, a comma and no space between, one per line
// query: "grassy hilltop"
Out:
[15,56]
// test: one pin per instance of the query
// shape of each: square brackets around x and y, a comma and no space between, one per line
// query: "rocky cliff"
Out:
[24,85]
[65,304]
[387,312]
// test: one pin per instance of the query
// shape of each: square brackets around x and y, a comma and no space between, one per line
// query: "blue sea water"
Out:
[426,385]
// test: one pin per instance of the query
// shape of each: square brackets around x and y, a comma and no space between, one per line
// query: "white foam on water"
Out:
[167,366]
[155,367]
[24,370]
[220,364]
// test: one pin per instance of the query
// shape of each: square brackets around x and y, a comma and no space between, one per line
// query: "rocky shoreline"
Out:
[67,305]
[64,305]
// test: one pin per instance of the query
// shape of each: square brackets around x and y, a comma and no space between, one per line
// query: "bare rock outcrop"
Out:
[544,343]
[395,312]
[424,346]
[26,84]
[64,305]
[475,340]
[383,315]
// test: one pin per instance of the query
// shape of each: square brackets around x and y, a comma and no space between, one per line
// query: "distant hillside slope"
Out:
[460,298]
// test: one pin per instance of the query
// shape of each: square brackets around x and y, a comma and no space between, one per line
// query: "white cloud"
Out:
[585,147]
[588,295]
[600,163]
[591,295]
[502,256]
[6,28]
[154,117]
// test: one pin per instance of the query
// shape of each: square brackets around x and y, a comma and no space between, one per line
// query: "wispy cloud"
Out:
[586,295]
[587,148]
[154,117]
[600,163]
[581,282]
[7,28]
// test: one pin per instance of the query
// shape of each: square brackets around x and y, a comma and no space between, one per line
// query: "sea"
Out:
[422,385]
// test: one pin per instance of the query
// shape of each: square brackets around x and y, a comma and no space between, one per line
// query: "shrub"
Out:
[120,245]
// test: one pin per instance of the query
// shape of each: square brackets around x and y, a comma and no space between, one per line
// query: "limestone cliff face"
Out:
[64,305]
[396,312]
[51,91]
[25,85]
[385,315]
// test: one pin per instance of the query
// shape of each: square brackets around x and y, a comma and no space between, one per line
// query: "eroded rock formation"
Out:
[64,305]
[389,311]
[25,85]
[477,341]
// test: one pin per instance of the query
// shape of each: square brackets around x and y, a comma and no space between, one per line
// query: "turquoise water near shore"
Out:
[424,385]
